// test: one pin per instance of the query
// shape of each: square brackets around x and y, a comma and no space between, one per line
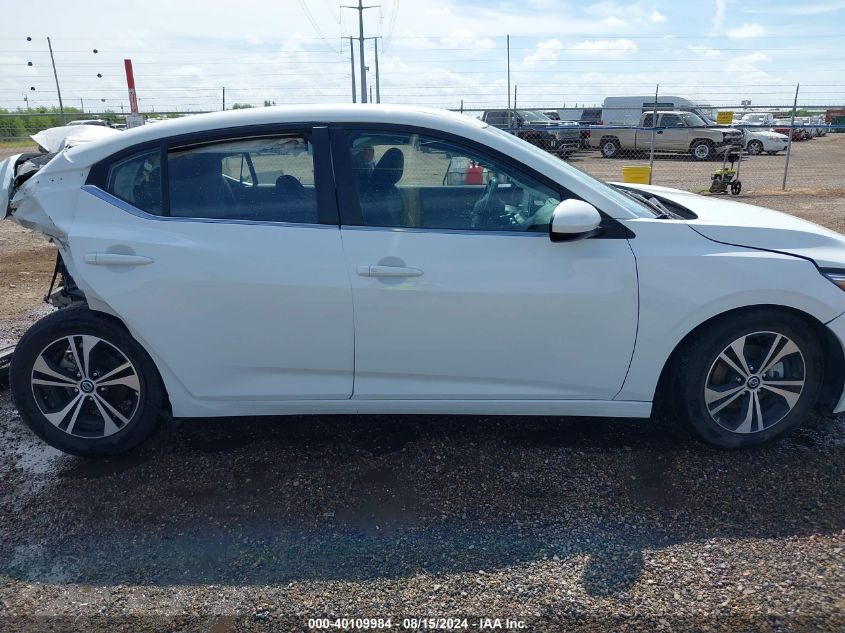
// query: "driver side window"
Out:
[418,181]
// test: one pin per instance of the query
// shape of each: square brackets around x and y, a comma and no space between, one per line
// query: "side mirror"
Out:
[573,219]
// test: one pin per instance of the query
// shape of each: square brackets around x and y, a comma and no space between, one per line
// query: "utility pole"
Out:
[224,97]
[360,8]
[378,92]
[508,41]
[514,97]
[81,105]
[371,94]
[352,62]
[56,75]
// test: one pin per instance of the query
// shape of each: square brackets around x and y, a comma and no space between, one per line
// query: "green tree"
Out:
[241,106]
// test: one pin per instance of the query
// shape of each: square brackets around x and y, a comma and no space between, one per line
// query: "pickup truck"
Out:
[561,138]
[675,131]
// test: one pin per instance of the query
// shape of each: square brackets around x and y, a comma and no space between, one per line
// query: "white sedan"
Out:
[323,259]
[758,141]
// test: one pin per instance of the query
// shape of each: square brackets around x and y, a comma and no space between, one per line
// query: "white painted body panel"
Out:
[686,279]
[235,312]
[492,316]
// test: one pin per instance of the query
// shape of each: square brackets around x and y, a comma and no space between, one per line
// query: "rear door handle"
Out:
[116,259]
[388,271]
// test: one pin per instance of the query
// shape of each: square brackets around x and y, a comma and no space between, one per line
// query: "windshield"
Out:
[533,117]
[693,120]
[634,207]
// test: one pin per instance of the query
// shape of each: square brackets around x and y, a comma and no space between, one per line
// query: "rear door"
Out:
[236,283]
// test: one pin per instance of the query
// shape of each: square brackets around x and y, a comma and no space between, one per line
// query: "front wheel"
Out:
[610,148]
[755,148]
[703,150]
[84,385]
[749,379]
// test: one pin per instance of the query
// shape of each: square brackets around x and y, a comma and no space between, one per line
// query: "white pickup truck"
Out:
[675,131]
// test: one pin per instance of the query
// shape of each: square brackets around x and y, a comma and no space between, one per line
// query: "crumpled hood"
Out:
[729,222]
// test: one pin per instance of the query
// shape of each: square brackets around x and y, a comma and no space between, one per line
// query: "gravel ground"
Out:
[558,524]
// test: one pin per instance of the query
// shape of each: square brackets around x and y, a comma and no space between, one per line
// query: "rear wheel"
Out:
[610,148]
[84,385]
[749,379]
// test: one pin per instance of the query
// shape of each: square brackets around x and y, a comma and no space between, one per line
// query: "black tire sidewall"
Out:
[697,359]
[758,148]
[77,321]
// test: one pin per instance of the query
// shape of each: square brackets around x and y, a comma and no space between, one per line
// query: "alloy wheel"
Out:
[85,386]
[755,382]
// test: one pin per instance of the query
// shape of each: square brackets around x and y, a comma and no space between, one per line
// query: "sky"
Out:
[442,53]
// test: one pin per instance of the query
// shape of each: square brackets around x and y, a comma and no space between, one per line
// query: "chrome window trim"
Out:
[418,229]
[140,213]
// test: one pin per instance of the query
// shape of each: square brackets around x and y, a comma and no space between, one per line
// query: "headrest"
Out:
[389,169]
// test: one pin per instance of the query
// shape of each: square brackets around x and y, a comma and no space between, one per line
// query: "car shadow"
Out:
[276,500]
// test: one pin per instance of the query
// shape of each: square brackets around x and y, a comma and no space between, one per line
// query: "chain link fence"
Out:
[729,149]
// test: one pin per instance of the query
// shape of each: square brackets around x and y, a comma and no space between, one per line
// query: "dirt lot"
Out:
[562,524]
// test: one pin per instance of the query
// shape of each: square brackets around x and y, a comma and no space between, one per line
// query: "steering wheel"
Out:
[484,211]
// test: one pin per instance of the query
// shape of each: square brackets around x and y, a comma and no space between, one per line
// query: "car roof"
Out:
[433,118]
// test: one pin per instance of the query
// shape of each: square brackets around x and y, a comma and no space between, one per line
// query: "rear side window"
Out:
[265,179]
[137,180]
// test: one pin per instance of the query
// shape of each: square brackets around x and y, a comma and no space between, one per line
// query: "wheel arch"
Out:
[834,357]
[116,321]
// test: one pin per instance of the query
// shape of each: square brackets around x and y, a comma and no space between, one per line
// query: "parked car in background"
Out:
[263,261]
[677,131]
[821,125]
[784,126]
[756,119]
[561,138]
[585,132]
[756,141]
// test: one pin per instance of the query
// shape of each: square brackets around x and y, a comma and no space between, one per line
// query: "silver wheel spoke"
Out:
[52,383]
[723,404]
[79,367]
[725,358]
[745,427]
[58,417]
[771,351]
[128,381]
[109,427]
[791,397]
[738,346]
[784,383]
[42,367]
[116,370]
[711,395]
[789,348]
[88,343]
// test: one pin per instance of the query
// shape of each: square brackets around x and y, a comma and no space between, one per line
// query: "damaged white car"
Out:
[374,259]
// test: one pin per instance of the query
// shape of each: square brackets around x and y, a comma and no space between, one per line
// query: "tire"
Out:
[49,380]
[755,148]
[772,153]
[703,150]
[710,364]
[610,148]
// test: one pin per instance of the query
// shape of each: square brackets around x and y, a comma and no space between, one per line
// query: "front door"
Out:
[458,291]
[230,270]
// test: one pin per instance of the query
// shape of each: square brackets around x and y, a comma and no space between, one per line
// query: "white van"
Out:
[629,110]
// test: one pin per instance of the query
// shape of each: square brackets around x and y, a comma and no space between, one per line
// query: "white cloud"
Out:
[605,48]
[705,51]
[612,20]
[747,31]
[461,38]
[656,17]
[546,52]
[718,16]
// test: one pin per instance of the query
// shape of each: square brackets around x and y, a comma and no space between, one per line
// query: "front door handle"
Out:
[116,259]
[388,271]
